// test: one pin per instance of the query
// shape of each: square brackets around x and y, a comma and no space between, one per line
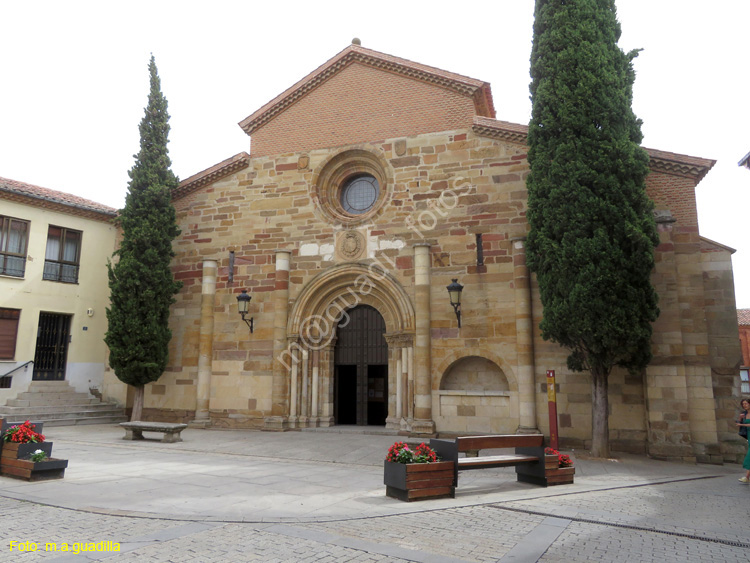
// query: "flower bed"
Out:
[558,468]
[26,455]
[416,475]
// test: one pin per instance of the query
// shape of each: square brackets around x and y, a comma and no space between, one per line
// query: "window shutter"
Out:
[8,332]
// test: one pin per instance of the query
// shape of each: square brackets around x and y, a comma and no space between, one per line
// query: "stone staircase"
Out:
[56,403]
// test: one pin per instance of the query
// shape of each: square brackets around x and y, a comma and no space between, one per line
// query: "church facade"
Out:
[371,185]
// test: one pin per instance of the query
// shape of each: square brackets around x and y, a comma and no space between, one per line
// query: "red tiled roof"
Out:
[477,89]
[15,188]
[743,316]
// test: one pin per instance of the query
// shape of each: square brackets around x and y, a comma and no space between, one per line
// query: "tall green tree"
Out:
[592,232]
[141,283]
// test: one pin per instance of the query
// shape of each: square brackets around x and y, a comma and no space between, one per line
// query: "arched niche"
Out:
[474,373]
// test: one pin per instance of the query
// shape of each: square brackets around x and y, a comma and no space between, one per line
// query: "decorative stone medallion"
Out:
[400,147]
[350,245]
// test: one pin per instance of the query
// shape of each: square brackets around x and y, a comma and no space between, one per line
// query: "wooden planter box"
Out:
[418,481]
[50,468]
[4,425]
[557,475]
[14,464]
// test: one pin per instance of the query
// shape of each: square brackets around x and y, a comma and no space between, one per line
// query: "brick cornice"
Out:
[478,90]
[679,164]
[659,161]
[226,167]
[717,245]
[501,130]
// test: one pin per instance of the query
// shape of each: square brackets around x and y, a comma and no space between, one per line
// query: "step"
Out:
[55,386]
[72,415]
[23,411]
[71,418]
[27,396]
[88,420]
[44,403]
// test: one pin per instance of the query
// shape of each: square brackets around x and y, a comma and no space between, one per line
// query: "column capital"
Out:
[399,339]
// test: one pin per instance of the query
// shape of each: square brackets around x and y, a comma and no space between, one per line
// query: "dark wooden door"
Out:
[361,368]
[52,338]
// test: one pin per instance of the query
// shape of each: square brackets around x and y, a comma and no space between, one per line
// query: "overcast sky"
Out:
[74,81]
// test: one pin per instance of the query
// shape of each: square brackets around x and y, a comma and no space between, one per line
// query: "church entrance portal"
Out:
[361,369]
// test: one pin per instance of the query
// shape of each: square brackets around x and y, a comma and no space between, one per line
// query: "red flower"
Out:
[400,453]
[23,434]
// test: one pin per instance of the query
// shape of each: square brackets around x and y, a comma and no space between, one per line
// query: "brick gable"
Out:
[361,103]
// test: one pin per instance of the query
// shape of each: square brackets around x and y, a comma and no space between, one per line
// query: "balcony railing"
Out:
[59,271]
[12,265]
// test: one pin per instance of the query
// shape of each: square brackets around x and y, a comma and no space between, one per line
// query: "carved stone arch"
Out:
[457,355]
[344,286]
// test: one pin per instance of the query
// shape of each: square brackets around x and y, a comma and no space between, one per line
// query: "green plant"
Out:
[592,232]
[141,282]
[400,453]
[38,456]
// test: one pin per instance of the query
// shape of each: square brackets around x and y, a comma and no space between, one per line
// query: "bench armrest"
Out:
[532,473]
[447,450]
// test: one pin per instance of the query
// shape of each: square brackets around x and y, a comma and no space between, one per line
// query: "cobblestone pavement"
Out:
[297,497]
[690,520]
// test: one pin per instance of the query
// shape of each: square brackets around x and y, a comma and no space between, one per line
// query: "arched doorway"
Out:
[361,368]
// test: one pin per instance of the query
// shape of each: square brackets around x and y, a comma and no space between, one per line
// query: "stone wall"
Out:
[725,355]
[444,189]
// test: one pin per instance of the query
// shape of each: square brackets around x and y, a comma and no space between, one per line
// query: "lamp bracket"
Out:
[248,322]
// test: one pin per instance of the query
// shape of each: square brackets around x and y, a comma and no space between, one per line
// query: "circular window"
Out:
[352,187]
[359,194]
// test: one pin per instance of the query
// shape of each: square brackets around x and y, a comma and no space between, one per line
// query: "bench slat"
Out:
[494,461]
[468,443]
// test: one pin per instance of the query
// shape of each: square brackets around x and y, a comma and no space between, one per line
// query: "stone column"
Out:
[525,368]
[409,382]
[304,419]
[394,390]
[325,384]
[423,423]
[205,353]
[280,390]
[295,379]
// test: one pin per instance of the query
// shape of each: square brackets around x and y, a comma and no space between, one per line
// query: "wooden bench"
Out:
[134,430]
[528,458]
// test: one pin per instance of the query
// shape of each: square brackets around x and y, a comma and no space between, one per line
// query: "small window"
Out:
[359,194]
[745,381]
[63,255]
[14,236]
[8,332]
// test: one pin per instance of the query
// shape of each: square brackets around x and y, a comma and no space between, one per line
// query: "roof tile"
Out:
[37,192]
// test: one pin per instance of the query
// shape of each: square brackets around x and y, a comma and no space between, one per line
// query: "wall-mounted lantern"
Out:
[454,292]
[243,303]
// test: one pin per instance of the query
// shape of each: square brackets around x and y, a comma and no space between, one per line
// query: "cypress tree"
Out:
[141,283]
[592,232]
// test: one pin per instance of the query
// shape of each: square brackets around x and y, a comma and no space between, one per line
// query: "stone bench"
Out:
[134,430]
[528,458]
